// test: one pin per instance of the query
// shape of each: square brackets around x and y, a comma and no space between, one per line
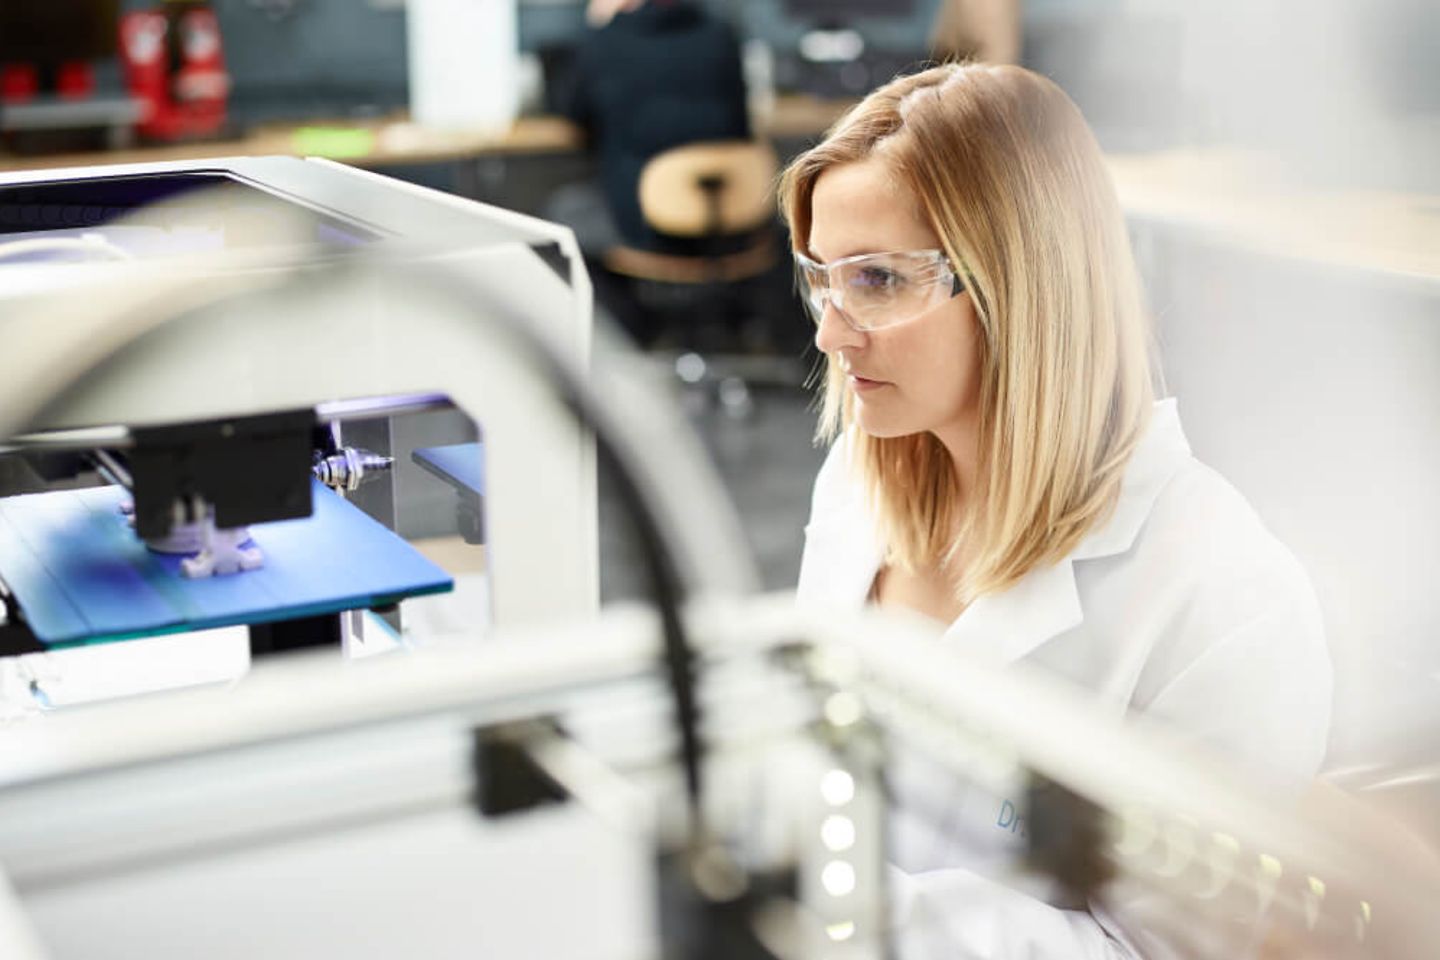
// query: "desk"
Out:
[802,116]
[372,143]
[1253,202]
[394,141]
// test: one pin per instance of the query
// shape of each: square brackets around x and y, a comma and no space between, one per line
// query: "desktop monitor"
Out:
[869,42]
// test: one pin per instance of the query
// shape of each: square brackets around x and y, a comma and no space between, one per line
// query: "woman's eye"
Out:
[878,279]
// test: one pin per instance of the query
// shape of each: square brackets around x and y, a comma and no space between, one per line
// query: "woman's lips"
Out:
[864,384]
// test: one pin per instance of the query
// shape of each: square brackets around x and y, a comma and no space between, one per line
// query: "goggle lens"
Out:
[877,289]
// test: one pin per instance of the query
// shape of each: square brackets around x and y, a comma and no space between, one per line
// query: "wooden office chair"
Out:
[720,195]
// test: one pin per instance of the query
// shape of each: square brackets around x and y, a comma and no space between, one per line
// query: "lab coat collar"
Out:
[1161,451]
[1046,603]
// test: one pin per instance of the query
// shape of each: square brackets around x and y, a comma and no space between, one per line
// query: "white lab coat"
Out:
[1181,606]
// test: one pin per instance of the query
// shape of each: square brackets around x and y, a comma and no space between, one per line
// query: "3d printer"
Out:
[265,472]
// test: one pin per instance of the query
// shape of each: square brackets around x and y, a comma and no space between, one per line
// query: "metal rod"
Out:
[113,470]
[339,411]
[81,438]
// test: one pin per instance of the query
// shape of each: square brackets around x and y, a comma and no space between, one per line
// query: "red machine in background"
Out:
[20,82]
[48,49]
[175,64]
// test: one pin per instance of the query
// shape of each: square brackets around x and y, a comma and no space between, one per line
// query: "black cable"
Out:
[678,658]
[668,591]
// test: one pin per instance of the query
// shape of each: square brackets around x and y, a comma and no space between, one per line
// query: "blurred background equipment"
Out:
[838,54]
[463,62]
[49,98]
[174,63]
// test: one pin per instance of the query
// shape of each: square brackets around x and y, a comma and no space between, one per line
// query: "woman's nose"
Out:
[834,332]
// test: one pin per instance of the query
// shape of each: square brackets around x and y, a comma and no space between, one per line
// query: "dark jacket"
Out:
[665,75]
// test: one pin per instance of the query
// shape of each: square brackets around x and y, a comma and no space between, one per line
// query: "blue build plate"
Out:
[80,575]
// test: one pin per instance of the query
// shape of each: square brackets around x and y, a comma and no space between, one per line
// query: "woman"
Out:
[1000,464]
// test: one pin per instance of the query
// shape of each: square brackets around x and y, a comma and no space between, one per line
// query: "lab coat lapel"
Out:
[1162,451]
[1046,603]
[841,559]
[1010,625]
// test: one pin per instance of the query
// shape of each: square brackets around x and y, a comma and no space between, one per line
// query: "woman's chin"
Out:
[883,428]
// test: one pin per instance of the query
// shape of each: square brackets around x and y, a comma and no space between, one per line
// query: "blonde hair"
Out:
[1011,179]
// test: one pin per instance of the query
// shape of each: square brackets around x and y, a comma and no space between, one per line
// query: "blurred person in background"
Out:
[988,31]
[648,76]
[1001,466]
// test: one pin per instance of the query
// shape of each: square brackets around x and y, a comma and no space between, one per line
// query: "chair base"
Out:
[728,378]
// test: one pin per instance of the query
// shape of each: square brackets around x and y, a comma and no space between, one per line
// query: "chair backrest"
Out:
[718,187]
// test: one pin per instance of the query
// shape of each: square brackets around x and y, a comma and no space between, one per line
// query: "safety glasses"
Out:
[875,290]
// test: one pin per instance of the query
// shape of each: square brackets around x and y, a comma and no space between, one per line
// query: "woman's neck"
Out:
[962,441]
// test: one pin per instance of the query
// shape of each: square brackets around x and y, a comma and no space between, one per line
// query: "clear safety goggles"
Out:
[874,290]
